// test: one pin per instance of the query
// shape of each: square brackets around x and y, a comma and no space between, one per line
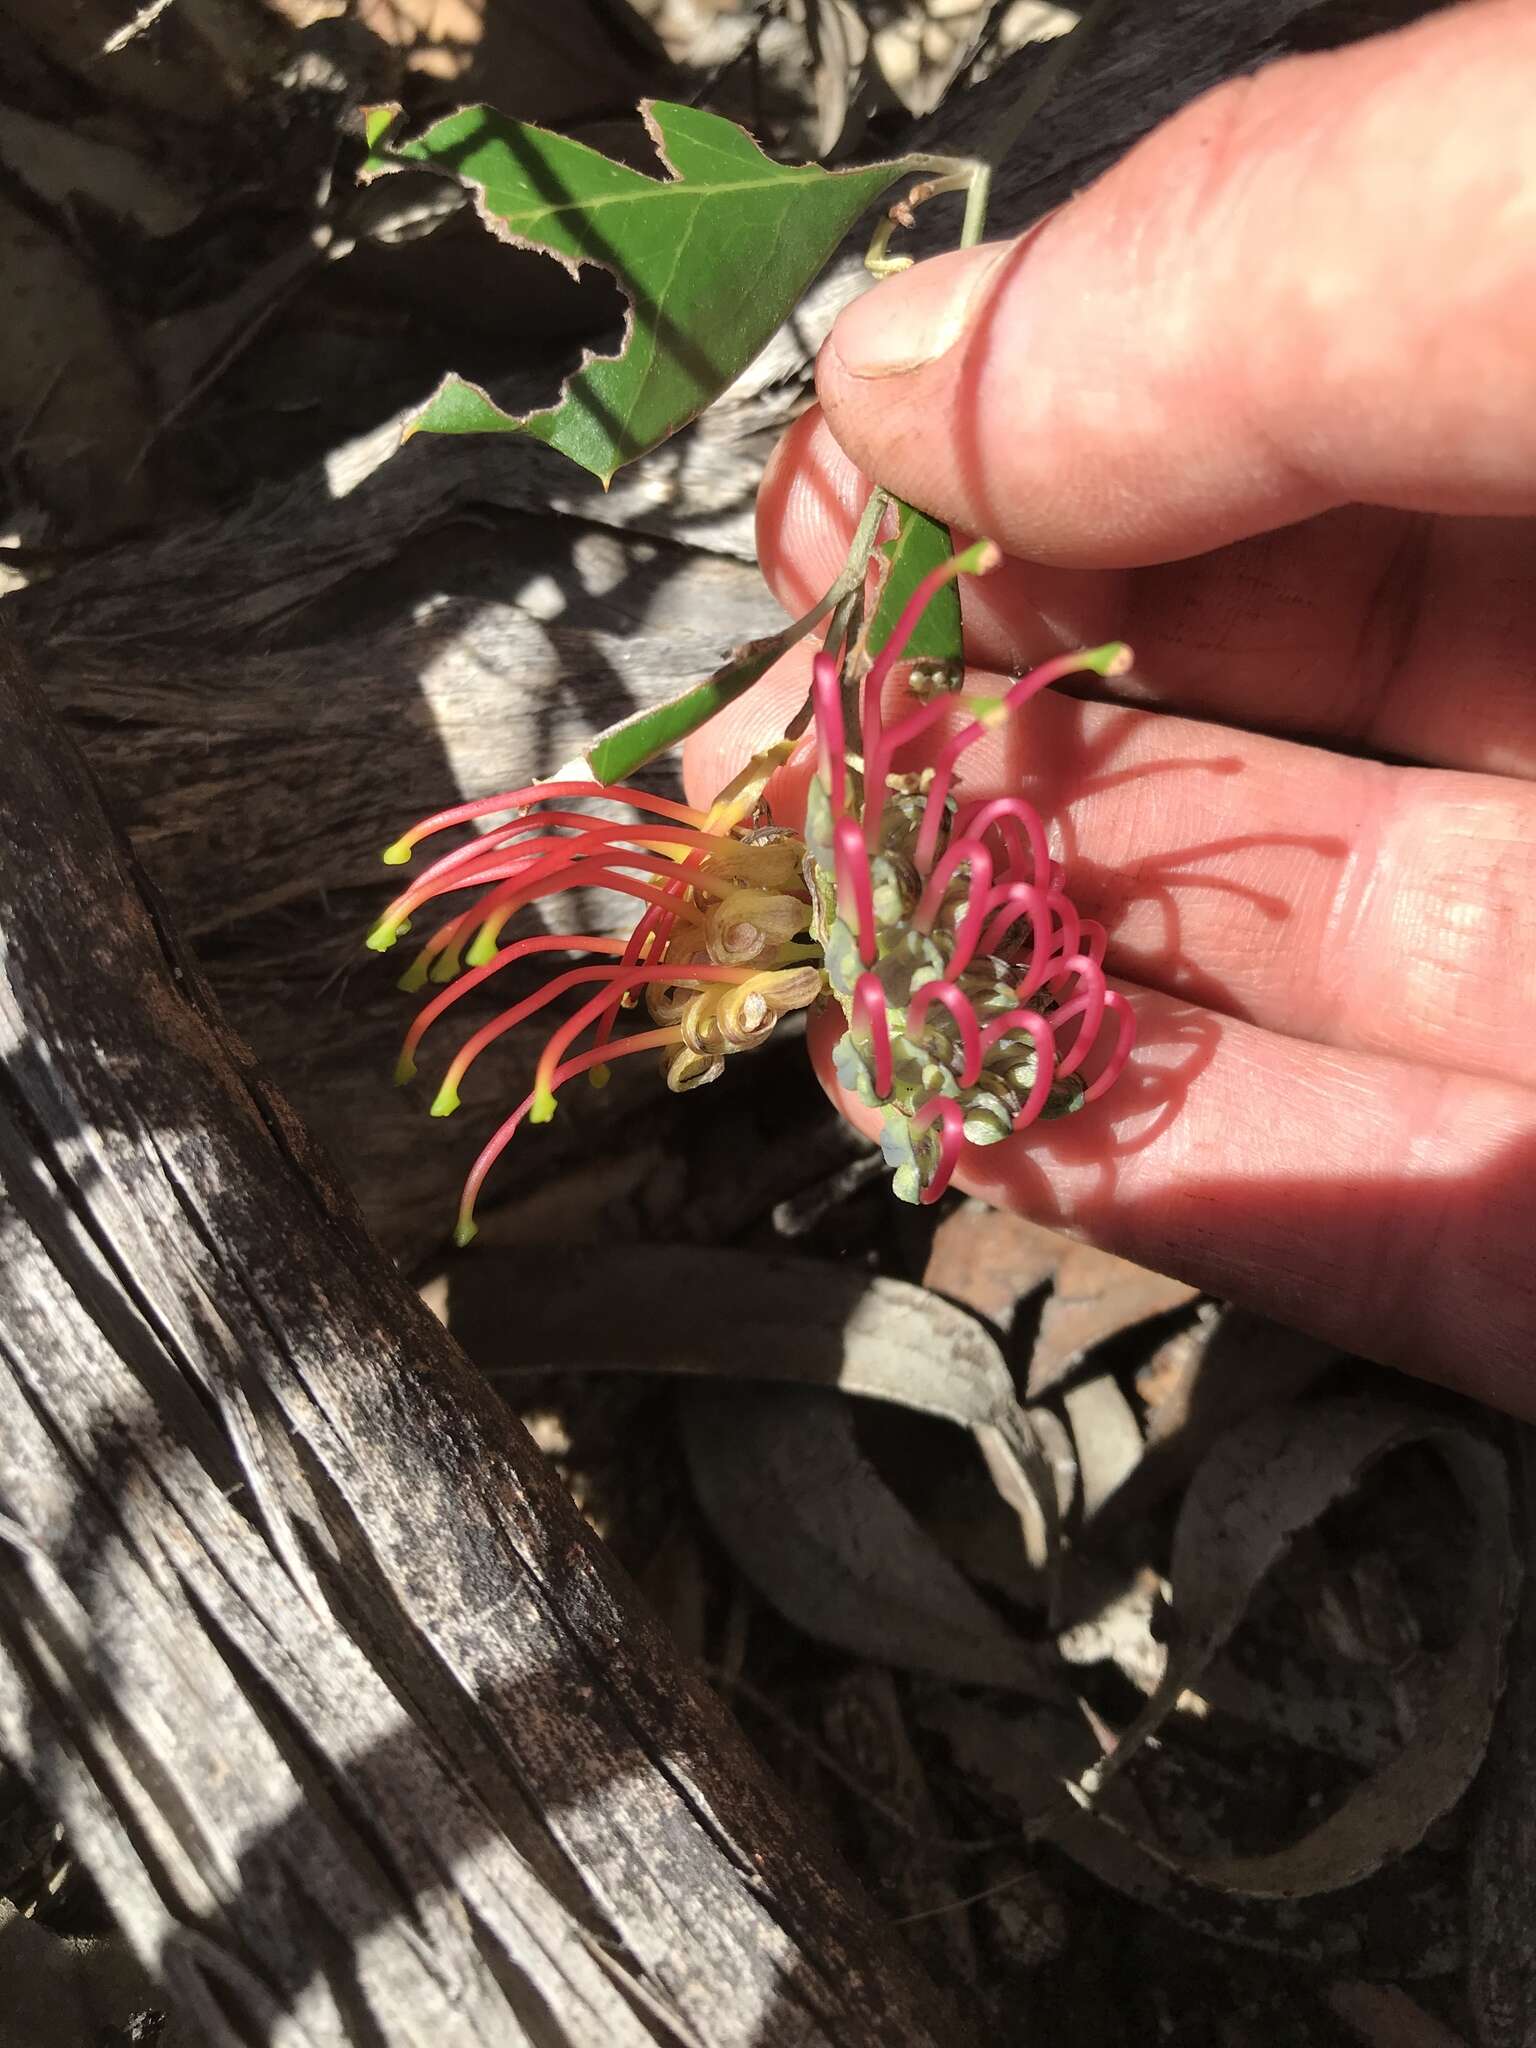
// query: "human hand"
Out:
[1262,401]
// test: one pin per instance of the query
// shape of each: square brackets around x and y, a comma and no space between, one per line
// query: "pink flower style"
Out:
[974,993]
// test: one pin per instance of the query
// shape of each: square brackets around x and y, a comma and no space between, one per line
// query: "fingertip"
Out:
[1247,320]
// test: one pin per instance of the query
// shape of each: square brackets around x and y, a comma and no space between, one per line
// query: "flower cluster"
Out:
[719,954]
[973,993]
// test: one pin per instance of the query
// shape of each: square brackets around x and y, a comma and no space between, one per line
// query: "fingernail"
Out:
[915,318]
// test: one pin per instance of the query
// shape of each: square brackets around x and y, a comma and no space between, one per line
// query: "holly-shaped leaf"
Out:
[711,257]
[921,545]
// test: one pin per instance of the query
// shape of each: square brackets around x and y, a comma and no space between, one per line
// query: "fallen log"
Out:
[359,1730]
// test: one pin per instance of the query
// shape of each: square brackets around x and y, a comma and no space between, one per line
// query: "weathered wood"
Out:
[358,1728]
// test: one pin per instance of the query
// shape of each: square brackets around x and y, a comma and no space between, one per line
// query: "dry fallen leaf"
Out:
[1198,1384]
[74,405]
[1403,1922]
[990,1260]
[1263,1482]
[806,1517]
[1095,1297]
[714,1313]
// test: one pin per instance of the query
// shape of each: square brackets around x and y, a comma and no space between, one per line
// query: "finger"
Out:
[1385,1207]
[1410,636]
[1326,897]
[808,505]
[1253,317]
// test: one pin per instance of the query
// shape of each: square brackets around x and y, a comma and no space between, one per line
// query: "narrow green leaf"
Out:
[712,258]
[921,545]
[615,754]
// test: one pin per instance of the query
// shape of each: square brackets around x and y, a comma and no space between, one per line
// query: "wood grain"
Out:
[358,1728]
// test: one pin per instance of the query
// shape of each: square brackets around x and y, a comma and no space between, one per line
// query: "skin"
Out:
[1262,401]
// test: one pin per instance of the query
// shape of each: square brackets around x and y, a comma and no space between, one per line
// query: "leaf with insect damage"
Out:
[712,257]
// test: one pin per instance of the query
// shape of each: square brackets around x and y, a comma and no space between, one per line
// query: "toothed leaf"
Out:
[712,256]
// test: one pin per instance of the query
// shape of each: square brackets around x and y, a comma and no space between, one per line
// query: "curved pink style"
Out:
[1011,900]
[949,1112]
[1028,831]
[502,1136]
[960,853]
[879,756]
[1125,1038]
[633,977]
[519,801]
[655,928]
[1018,696]
[868,1008]
[959,1006]
[912,612]
[1088,1003]
[465,862]
[498,906]
[607,838]
[616,979]
[851,876]
[1039,1028]
[465,984]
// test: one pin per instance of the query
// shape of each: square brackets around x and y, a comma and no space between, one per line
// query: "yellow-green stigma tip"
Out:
[382,937]
[405,1070]
[445,1101]
[543,1106]
[979,559]
[464,1232]
[446,967]
[1112,659]
[414,977]
[397,854]
[988,710]
[599,1076]
[482,950]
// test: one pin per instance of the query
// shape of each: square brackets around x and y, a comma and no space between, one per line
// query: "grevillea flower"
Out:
[720,954]
[973,993]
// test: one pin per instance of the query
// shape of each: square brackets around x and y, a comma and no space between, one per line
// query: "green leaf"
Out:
[921,545]
[616,754]
[712,259]
[377,122]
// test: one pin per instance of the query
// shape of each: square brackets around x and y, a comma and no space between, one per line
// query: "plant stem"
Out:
[977,193]
[1065,51]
